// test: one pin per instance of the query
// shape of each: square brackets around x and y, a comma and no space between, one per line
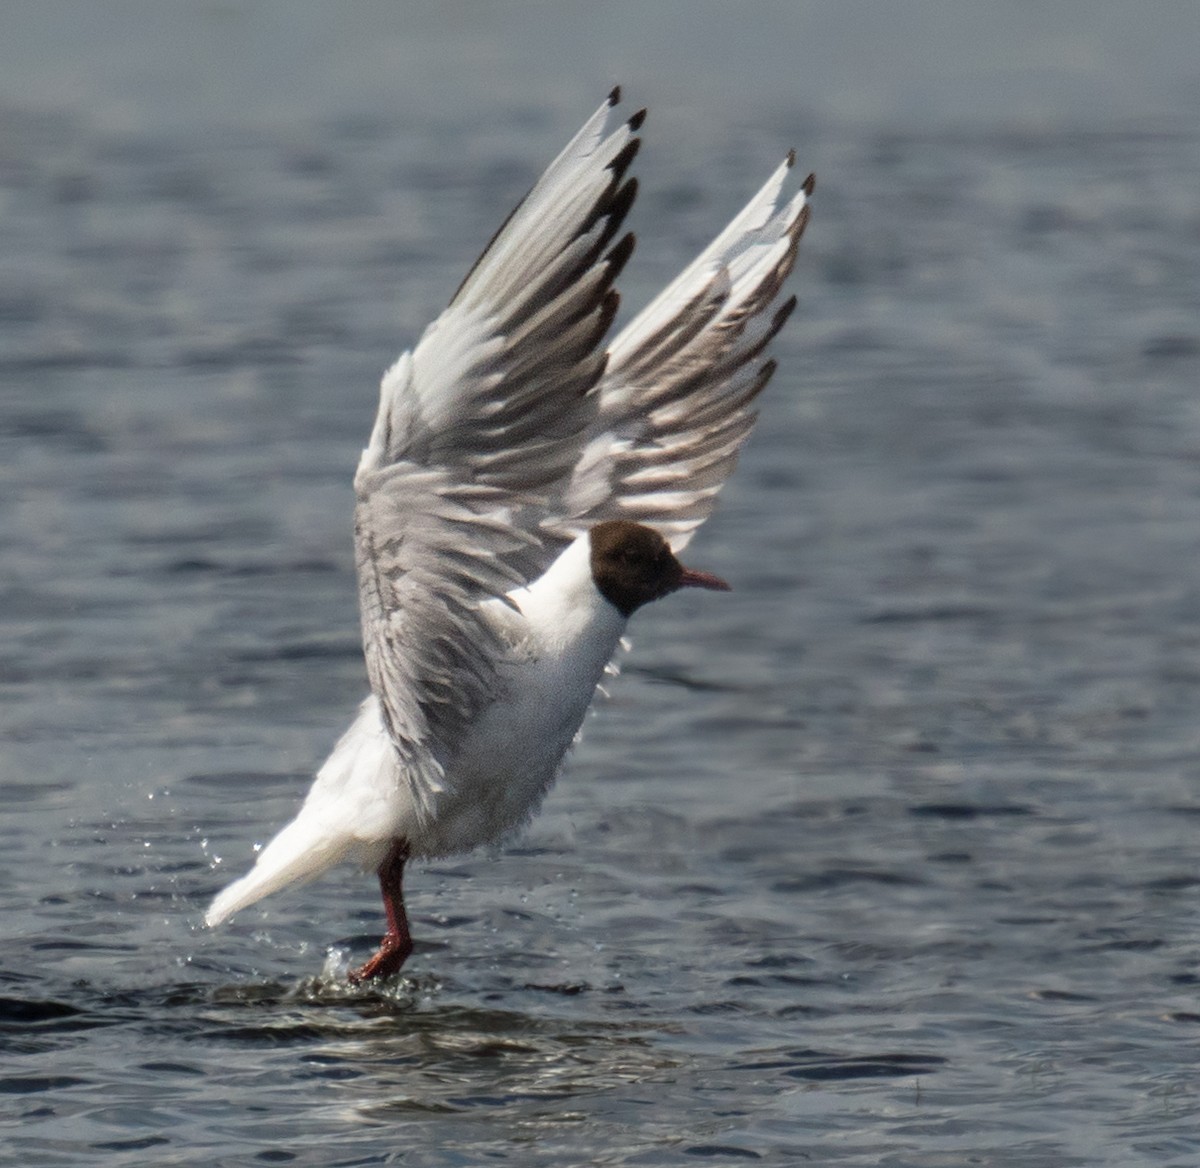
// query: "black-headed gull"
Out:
[524,491]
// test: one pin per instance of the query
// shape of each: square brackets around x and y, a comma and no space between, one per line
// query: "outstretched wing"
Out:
[482,420]
[676,402]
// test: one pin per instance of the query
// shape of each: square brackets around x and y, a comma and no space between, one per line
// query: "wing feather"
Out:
[676,400]
[484,418]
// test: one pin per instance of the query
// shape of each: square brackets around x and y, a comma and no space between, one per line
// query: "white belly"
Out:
[511,756]
[560,635]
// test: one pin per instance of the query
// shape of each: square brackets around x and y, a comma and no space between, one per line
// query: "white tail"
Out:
[350,814]
[296,855]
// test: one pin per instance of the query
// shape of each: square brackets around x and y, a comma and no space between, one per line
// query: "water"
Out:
[887,858]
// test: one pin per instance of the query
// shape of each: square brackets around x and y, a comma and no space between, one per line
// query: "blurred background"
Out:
[139,65]
[888,858]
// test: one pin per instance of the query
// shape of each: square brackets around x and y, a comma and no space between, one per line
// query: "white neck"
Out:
[564,605]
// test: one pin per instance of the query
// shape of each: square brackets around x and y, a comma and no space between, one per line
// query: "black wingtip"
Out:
[791,158]
[622,201]
[605,316]
[618,257]
[635,122]
[782,313]
[620,163]
[809,184]
[796,231]
[615,96]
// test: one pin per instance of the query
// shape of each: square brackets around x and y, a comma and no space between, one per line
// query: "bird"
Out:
[526,487]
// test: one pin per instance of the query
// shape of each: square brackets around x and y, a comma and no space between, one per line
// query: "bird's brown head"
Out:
[633,565]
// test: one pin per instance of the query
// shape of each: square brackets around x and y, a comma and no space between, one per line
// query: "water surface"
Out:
[887,858]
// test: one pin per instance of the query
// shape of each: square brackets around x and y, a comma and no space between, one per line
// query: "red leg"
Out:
[397,942]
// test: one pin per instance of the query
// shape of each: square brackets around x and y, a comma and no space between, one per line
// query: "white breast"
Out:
[561,639]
